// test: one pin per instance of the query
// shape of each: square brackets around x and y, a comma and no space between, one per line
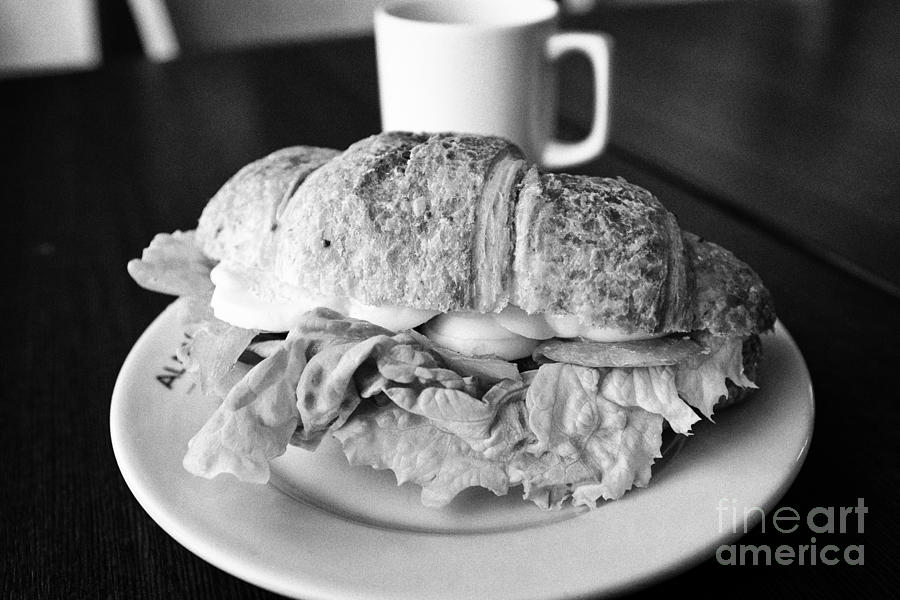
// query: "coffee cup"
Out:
[486,67]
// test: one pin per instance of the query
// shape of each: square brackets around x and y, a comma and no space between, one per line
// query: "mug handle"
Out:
[596,47]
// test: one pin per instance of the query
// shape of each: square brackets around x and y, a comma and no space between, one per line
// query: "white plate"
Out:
[341,532]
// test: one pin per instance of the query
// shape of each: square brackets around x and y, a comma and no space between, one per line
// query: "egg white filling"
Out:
[244,300]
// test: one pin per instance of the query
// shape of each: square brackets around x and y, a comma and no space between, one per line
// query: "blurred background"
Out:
[736,97]
[53,35]
[38,36]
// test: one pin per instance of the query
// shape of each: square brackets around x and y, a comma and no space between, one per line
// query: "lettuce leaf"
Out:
[255,421]
[447,399]
[211,347]
[509,433]
[451,442]
[701,381]
[443,464]
[173,265]
[565,440]
[324,369]
[654,390]
[562,431]
[327,393]
[411,375]
[585,446]
[259,416]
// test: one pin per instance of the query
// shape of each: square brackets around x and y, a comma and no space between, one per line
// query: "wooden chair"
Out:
[169,28]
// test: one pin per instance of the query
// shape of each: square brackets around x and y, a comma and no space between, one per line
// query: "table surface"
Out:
[773,128]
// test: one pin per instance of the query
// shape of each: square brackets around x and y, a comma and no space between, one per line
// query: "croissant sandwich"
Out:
[450,312]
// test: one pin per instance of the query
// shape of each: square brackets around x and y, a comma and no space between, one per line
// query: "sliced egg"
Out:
[518,321]
[235,303]
[242,309]
[570,326]
[510,334]
[395,318]
[563,325]
[225,278]
[477,334]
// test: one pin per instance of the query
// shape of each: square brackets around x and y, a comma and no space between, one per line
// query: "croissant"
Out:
[420,273]
[463,223]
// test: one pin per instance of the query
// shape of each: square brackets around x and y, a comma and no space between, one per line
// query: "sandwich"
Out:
[447,310]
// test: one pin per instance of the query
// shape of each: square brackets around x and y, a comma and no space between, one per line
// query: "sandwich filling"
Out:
[257,301]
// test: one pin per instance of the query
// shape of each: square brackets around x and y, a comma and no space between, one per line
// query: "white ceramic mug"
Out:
[485,66]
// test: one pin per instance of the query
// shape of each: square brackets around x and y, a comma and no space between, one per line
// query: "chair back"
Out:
[168,28]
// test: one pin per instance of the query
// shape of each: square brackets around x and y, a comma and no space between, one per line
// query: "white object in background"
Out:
[44,35]
[168,28]
[485,67]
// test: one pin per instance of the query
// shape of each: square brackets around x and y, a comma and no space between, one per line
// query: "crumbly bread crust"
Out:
[601,249]
[403,219]
[729,298]
[460,222]
[239,222]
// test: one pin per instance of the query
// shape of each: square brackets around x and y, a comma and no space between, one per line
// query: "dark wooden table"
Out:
[771,127]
